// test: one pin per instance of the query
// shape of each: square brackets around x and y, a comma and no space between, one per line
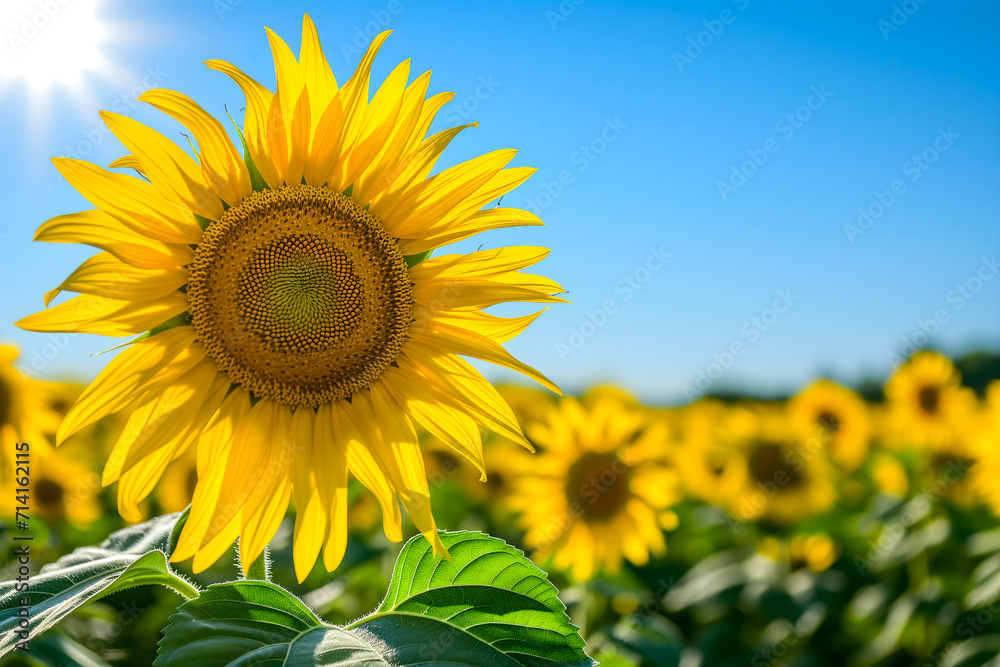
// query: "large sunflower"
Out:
[290,322]
[600,488]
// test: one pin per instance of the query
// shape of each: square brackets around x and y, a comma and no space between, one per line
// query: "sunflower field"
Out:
[293,458]
[829,528]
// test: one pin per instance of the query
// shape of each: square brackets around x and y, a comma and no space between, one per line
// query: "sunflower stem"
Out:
[260,569]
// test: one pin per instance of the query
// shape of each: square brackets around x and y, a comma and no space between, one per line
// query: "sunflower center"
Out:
[597,484]
[829,422]
[928,398]
[768,465]
[300,295]
[49,492]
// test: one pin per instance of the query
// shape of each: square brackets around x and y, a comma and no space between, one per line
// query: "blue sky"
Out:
[701,166]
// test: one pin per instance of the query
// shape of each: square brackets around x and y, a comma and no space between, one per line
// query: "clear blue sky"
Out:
[644,114]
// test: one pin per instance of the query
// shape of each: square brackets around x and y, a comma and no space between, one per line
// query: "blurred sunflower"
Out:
[986,449]
[837,417]
[290,320]
[64,488]
[816,552]
[712,468]
[787,479]
[927,406]
[26,411]
[179,481]
[599,490]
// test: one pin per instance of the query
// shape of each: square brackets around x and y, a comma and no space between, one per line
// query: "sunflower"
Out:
[711,466]
[786,478]
[26,409]
[927,406]
[599,490]
[816,552]
[290,321]
[986,448]
[64,488]
[837,417]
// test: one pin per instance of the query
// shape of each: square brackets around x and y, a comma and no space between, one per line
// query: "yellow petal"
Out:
[377,122]
[213,454]
[431,200]
[128,162]
[389,160]
[447,338]
[369,469]
[119,383]
[221,164]
[172,172]
[500,329]
[141,476]
[413,491]
[259,530]
[455,380]
[316,72]
[110,317]
[492,218]
[97,228]
[255,121]
[131,201]
[451,426]
[105,275]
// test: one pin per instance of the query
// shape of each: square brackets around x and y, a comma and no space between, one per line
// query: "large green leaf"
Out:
[489,606]
[131,557]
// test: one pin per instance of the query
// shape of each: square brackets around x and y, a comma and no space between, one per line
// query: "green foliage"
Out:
[134,556]
[489,606]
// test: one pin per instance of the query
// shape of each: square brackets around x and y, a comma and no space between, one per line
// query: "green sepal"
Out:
[257,181]
[413,260]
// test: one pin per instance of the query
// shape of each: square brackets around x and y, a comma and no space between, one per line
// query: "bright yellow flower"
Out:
[599,490]
[26,411]
[292,325]
[816,552]
[986,448]
[711,466]
[890,475]
[64,488]
[837,417]
[786,478]
[927,406]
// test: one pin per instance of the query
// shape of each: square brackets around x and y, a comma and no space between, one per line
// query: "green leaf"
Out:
[134,556]
[489,606]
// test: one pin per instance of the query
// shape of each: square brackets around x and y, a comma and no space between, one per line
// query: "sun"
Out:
[49,42]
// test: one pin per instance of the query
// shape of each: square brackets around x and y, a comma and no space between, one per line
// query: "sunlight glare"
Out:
[49,41]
